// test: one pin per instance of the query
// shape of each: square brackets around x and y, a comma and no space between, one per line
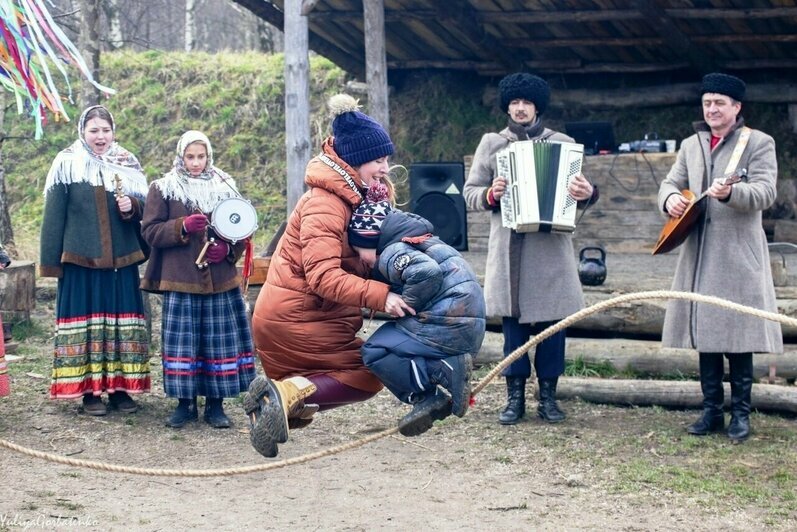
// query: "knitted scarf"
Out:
[202,192]
[78,164]
[525,132]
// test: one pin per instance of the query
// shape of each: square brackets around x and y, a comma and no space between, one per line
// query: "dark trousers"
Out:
[399,361]
[549,358]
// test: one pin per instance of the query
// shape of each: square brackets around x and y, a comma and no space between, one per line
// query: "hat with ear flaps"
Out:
[365,226]
[358,137]
[526,86]
[726,84]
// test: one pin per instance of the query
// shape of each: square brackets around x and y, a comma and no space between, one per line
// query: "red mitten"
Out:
[217,252]
[195,223]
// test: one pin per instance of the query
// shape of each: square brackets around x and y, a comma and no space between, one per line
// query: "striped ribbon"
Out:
[31,44]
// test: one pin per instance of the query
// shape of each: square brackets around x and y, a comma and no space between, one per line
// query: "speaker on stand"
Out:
[436,194]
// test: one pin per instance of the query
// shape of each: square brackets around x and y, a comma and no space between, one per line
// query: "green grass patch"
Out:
[580,368]
[30,330]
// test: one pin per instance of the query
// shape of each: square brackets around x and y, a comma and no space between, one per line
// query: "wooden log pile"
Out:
[644,357]
[677,394]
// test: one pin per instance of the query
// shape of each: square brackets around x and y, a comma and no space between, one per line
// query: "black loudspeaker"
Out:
[436,194]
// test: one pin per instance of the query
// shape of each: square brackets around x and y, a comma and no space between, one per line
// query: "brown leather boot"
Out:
[271,405]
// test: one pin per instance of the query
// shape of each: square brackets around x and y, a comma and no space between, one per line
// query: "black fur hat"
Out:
[724,84]
[527,86]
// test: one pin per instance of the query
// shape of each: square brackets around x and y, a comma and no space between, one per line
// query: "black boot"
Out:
[431,406]
[516,401]
[185,412]
[741,366]
[214,413]
[712,419]
[547,409]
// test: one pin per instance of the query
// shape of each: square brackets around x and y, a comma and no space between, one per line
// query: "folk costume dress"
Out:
[207,343]
[101,341]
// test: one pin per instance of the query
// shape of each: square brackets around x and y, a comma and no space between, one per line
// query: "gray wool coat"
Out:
[726,255]
[529,276]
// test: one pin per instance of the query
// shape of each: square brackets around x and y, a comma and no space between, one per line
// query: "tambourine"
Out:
[233,219]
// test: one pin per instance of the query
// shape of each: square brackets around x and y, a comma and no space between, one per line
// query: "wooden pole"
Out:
[376,61]
[297,100]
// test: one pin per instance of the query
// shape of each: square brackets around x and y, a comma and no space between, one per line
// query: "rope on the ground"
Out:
[553,329]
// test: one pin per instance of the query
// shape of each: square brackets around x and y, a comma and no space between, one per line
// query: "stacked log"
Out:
[676,394]
[644,357]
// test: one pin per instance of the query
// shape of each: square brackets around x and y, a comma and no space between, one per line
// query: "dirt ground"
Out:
[605,468]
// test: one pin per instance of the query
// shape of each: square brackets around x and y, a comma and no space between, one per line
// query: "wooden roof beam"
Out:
[675,38]
[570,66]
[645,41]
[533,17]
[467,28]
[497,16]
[274,16]
[715,13]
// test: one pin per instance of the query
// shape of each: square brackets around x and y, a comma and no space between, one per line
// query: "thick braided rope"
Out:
[243,470]
[573,318]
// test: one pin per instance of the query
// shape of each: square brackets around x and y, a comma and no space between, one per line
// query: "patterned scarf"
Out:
[202,192]
[78,164]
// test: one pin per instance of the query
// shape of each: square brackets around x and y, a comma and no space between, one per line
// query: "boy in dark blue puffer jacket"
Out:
[416,356]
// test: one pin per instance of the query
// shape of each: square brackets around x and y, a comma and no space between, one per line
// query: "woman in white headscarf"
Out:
[90,241]
[207,344]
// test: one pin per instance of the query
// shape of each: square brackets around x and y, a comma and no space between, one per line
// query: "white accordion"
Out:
[537,174]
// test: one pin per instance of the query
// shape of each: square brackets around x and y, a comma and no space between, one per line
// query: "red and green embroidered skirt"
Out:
[101,342]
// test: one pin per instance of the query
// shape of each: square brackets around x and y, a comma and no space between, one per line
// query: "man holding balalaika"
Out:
[531,280]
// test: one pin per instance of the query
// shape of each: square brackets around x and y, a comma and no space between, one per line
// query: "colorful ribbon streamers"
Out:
[30,44]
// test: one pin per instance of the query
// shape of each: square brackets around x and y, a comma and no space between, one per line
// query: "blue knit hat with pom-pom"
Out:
[358,137]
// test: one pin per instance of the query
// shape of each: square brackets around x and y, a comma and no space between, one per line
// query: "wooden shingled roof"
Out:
[560,37]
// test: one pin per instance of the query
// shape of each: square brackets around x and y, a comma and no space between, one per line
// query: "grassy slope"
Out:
[237,99]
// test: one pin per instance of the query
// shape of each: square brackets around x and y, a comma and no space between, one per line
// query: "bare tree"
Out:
[89,46]
[190,25]
[115,36]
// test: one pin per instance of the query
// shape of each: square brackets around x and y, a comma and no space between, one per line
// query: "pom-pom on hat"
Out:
[527,86]
[365,226]
[358,137]
[726,84]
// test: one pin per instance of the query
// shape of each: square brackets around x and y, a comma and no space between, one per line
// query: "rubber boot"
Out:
[431,406]
[185,412]
[741,368]
[547,408]
[711,373]
[214,413]
[515,407]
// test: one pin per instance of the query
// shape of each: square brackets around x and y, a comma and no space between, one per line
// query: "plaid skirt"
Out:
[207,345]
[101,341]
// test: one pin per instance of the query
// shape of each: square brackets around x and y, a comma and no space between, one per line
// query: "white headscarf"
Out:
[78,164]
[202,192]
